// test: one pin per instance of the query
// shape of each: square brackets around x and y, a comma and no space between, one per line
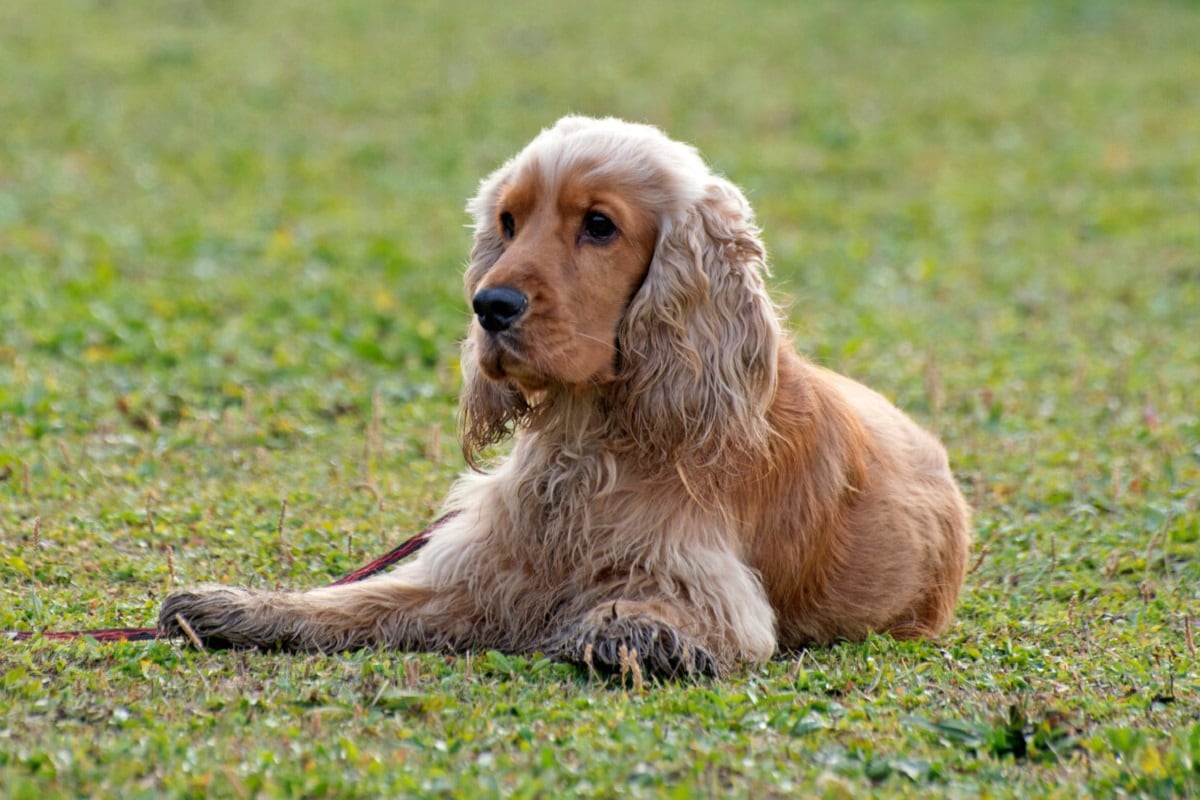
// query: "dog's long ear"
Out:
[488,410]
[699,344]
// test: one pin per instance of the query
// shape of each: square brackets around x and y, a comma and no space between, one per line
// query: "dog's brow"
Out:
[518,198]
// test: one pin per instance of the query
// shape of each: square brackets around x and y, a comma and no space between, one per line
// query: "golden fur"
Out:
[682,484]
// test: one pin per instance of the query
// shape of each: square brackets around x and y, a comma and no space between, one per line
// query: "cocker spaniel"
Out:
[683,488]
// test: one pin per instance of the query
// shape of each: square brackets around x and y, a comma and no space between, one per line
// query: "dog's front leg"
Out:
[614,635]
[424,604]
[380,612]
[699,616]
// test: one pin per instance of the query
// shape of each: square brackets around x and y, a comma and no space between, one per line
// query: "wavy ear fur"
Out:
[488,410]
[699,342]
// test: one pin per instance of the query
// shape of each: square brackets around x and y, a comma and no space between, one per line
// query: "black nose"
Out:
[499,308]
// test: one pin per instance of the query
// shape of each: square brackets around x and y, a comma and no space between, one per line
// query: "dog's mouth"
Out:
[534,358]
[500,359]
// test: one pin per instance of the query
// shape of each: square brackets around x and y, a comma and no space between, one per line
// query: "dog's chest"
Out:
[570,506]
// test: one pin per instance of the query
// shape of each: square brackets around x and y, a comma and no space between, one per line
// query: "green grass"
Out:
[230,244]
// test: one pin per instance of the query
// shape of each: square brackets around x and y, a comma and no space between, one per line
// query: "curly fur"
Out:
[682,485]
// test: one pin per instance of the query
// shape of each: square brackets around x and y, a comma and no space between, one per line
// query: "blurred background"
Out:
[989,211]
[231,244]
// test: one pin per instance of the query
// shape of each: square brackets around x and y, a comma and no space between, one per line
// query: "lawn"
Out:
[231,239]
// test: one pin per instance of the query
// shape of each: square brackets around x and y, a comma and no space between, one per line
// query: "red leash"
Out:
[100,635]
[404,550]
[401,551]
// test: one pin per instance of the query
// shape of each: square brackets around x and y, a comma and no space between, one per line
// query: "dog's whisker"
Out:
[597,339]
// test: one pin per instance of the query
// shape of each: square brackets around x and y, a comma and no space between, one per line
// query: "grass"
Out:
[230,244]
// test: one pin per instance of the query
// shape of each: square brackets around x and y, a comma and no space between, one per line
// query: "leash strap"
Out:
[402,551]
[99,634]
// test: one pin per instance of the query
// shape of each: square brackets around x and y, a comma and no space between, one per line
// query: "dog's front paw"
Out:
[216,616]
[613,643]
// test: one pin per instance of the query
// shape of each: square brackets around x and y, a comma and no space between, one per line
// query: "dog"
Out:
[682,488]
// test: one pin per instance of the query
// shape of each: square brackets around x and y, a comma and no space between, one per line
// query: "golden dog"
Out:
[683,488]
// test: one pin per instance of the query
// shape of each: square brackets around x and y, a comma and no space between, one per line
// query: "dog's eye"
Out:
[508,225]
[598,227]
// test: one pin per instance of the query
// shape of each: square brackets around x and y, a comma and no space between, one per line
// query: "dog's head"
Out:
[609,258]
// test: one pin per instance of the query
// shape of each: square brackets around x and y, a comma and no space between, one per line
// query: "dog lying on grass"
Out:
[683,488]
